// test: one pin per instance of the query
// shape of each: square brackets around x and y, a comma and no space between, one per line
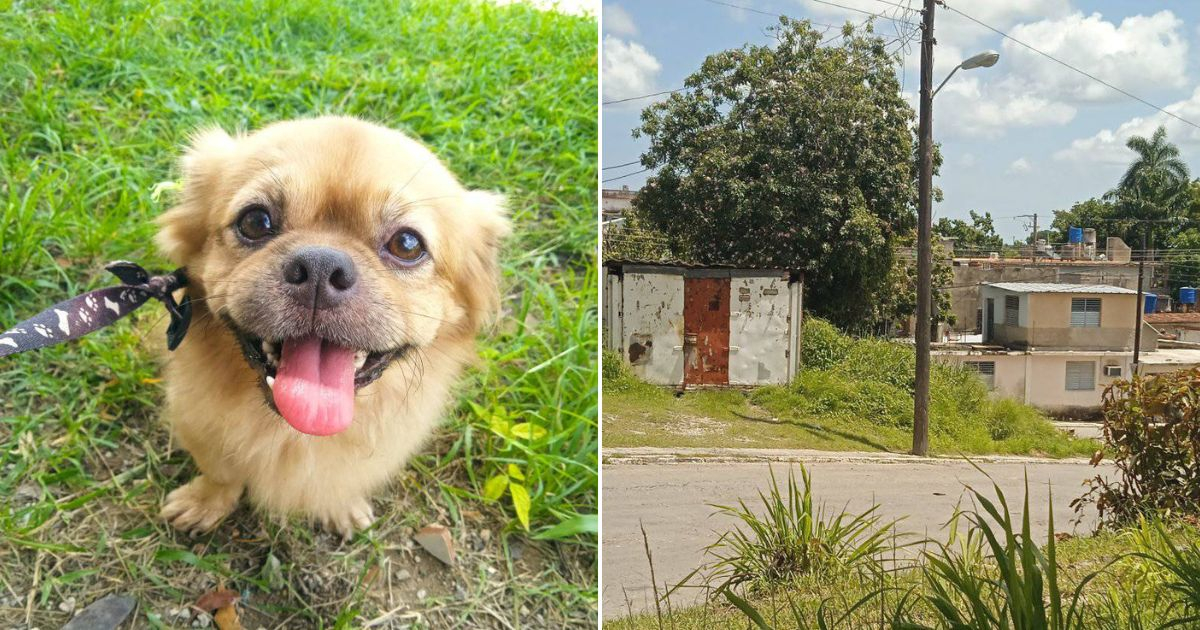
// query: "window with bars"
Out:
[1081,376]
[1085,312]
[1012,310]
[986,371]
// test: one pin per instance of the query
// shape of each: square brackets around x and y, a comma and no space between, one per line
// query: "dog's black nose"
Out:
[320,276]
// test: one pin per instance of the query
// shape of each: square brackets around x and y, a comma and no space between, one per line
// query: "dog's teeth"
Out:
[271,382]
[360,358]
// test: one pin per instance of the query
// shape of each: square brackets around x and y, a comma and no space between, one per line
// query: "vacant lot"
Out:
[96,100]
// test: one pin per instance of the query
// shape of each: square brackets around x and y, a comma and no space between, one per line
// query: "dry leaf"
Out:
[227,618]
[220,598]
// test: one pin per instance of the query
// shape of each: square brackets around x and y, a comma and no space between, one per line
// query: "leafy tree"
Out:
[790,155]
[979,234]
[1094,213]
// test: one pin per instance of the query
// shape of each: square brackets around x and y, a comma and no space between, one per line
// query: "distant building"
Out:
[696,326]
[614,203]
[1057,346]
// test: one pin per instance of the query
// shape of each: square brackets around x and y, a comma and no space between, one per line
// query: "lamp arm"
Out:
[939,87]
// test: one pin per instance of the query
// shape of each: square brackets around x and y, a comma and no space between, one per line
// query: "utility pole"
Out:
[924,229]
[1137,321]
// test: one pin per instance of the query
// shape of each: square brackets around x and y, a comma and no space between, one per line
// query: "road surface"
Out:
[668,491]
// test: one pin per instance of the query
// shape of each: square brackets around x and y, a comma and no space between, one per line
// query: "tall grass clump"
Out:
[791,537]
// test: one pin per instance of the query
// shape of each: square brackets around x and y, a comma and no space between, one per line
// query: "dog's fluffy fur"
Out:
[341,183]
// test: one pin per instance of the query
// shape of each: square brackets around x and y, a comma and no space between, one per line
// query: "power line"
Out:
[761,12]
[1071,67]
[606,168]
[878,15]
[613,179]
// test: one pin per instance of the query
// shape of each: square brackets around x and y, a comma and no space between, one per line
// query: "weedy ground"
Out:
[852,395]
[96,100]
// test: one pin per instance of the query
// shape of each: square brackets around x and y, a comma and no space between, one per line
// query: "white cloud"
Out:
[1142,53]
[969,107]
[617,21]
[1019,165]
[1108,145]
[967,160]
[627,69]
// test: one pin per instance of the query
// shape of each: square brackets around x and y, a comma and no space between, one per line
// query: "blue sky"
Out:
[1024,136]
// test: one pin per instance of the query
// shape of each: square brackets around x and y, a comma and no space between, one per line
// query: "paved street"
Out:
[668,491]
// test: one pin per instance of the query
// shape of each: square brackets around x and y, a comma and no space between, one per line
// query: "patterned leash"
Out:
[82,314]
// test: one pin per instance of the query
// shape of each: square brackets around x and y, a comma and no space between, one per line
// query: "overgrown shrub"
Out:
[823,346]
[792,537]
[1152,433]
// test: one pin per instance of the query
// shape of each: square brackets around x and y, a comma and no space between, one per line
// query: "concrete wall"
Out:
[1040,379]
[760,320]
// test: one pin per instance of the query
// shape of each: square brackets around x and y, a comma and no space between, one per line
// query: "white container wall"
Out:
[682,326]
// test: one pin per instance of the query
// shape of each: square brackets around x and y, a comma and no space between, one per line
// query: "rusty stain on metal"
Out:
[706,316]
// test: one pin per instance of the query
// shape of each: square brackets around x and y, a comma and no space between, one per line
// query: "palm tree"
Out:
[1157,165]
[1154,188]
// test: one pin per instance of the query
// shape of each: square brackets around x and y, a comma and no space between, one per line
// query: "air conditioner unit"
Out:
[1112,370]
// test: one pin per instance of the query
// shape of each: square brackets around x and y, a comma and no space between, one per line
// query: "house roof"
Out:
[1056,287]
[1173,318]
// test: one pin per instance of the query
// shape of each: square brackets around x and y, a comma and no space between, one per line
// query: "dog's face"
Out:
[331,248]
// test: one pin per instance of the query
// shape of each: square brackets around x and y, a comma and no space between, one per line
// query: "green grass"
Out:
[990,573]
[96,101]
[851,395]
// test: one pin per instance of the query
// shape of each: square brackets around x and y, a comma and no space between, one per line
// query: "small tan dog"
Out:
[338,274]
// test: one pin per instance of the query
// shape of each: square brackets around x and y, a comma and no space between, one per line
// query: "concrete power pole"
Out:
[924,244]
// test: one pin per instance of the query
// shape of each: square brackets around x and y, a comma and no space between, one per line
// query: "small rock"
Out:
[402,575]
[105,613]
[435,538]
[421,594]
[202,620]
[67,605]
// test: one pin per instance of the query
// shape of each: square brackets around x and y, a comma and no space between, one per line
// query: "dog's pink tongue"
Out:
[314,386]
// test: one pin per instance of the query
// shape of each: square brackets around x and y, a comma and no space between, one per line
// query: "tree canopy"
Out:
[1151,198]
[979,234]
[789,155]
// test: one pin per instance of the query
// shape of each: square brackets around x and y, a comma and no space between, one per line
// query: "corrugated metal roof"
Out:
[1055,287]
[622,262]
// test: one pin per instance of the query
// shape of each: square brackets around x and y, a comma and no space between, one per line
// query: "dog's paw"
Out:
[200,505]
[355,516]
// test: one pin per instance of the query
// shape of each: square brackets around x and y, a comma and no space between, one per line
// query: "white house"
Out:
[1057,346]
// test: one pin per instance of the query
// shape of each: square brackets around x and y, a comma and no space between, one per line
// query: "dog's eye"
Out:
[406,246]
[254,224]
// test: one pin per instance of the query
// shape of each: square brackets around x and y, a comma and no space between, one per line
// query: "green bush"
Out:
[1152,433]
[824,346]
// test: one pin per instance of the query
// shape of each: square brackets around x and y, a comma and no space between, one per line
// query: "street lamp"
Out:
[985,59]
[925,222]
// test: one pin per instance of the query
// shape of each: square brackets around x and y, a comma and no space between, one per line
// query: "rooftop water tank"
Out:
[1151,301]
[1187,295]
[1075,235]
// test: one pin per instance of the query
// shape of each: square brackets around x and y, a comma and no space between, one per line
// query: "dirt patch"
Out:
[694,426]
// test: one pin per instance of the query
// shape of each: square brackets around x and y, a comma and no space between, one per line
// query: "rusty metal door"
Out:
[706,331]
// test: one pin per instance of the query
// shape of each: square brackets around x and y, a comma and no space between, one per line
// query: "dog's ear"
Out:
[479,278]
[184,228]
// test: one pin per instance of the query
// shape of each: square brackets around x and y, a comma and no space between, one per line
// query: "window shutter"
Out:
[1085,312]
[986,371]
[1081,375]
